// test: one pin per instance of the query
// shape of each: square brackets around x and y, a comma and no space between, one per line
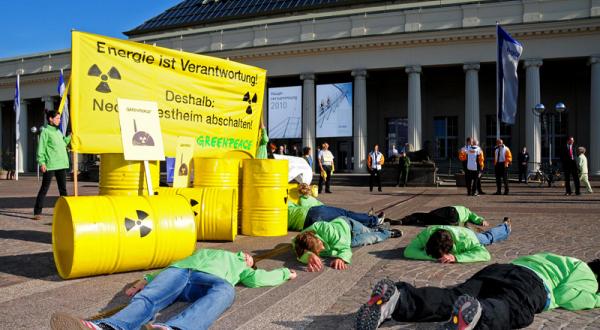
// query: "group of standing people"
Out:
[574,166]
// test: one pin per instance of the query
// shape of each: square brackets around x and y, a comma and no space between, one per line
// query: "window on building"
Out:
[490,138]
[556,138]
[446,137]
[397,134]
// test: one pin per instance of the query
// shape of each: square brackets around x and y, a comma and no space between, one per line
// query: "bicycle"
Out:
[545,174]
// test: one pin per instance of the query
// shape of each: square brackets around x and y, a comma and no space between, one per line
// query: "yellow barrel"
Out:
[216,172]
[294,195]
[215,210]
[93,235]
[120,177]
[264,197]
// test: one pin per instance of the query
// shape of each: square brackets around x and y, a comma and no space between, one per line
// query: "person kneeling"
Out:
[206,279]
[500,296]
[335,239]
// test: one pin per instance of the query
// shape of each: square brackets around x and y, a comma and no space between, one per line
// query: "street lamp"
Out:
[541,111]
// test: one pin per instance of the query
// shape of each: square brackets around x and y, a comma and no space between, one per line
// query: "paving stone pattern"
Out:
[543,220]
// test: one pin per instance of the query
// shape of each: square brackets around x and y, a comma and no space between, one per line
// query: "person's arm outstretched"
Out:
[259,278]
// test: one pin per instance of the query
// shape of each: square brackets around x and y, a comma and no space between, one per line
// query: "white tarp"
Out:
[298,170]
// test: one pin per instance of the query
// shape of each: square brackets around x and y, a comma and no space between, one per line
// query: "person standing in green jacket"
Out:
[206,279]
[53,160]
[336,239]
[456,215]
[261,153]
[500,296]
[450,244]
[403,167]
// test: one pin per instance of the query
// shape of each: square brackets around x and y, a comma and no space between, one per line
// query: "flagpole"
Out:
[497,85]
[75,172]
[17,133]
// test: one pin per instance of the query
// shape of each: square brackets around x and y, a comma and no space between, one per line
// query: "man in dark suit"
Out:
[569,166]
[523,160]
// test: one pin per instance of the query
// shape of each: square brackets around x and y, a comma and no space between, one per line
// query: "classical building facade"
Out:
[423,72]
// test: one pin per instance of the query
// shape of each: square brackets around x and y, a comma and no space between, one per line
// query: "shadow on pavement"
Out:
[27,235]
[25,202]
[35,265]
[567,200]
[118,302]
[342,321]
[393,254]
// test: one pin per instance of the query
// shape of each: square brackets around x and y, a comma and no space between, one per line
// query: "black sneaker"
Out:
[380,218]
[395,233]
[465,314]
[380,307]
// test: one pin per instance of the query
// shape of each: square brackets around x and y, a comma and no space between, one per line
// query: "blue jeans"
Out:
[209,295]
[362,235]
[493,235]
[328,213]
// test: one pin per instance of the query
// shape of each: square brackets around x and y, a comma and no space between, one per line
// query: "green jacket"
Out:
[261,153]
[229,266]
[465,215]
[336,238]
[466,245]
[297,212]
[52,149]
[404,161]
[571,283]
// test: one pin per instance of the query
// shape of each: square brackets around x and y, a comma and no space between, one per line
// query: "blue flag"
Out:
[64,117]
[17,107]
[509,52]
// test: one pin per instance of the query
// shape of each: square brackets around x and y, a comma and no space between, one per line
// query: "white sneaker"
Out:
[380,307]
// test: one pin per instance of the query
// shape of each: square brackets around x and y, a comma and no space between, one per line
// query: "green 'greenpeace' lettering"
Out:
[206,141]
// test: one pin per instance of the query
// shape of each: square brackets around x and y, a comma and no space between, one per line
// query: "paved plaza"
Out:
[543,220]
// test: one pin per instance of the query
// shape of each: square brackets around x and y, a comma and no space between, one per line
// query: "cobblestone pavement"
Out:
[543,220]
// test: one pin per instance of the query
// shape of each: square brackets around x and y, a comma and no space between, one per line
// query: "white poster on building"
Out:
[285,112]
[334,110]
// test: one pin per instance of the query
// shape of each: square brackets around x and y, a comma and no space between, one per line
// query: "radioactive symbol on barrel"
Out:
[103,87]
[250,101]
[183,169]
[141,138]
[135,224]
[193,203]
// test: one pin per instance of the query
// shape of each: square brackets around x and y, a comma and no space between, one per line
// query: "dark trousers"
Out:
[330,213]
[375,175]
[471,178]
[479,173]
[61,181]
[510,296]
[571,170]
[446,215]
[501,175]
[402,175]
[327,181]
[523,173]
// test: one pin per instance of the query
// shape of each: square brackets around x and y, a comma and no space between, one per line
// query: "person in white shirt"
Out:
[325,158]
[583,169]
[375,162]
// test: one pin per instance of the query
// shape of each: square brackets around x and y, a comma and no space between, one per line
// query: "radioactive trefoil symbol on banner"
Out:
[103,87]
[141,138]
[250,101]
[138,224]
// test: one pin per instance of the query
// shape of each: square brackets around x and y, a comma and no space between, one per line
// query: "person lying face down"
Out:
[206,279]
[335,239]
[500,296]
[310,210]
[449,244]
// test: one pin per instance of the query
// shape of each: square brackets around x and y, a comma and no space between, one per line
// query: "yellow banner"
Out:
[217,102]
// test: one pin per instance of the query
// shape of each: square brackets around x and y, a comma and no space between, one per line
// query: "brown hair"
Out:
[439,243]
[306,241]
[304,189]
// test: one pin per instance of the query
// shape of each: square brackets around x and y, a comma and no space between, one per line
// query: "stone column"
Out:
[48,106]
[414,106]
[1,128]
[23,139]
[360,120]
[471,100]
[533,127]
[594,150]
[309,113]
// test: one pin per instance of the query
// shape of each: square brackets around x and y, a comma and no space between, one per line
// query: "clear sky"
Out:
[34,26]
